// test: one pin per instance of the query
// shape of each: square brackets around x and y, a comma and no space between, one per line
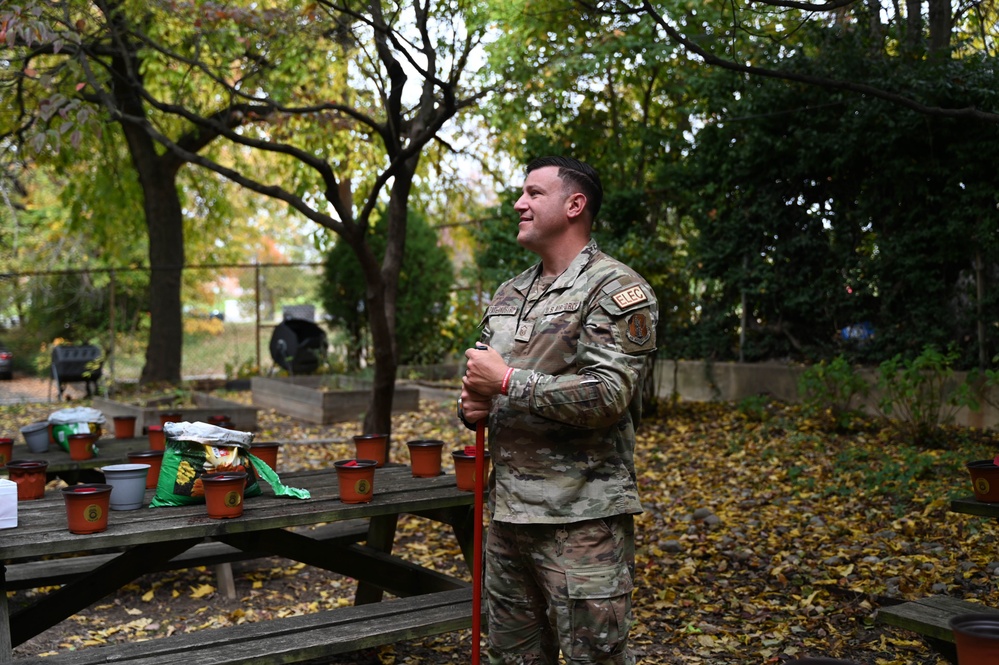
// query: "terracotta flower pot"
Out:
[128,482]
[87,507]
[985,480]
[124,427]
[171,417]
[425,457]
[464,468]
[356,478]
[267,451]
[157,437]
[372,446]
[224,493]
[6,450]
[29,476]
[154,458]
[81,446]
[977,638]
[220,420]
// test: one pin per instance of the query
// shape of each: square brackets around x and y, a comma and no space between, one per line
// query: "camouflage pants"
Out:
[567,587]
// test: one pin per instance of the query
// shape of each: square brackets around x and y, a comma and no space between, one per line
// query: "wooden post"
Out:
[6,647]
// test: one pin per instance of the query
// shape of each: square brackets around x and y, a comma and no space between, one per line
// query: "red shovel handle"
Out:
[480,454]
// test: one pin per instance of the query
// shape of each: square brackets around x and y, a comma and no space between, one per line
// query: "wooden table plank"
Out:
[110,451]
[969,505]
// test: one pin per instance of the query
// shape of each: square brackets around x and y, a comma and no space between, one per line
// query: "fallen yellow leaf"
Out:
[202,590]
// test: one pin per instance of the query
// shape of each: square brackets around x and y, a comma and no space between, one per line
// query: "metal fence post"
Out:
[256,309]
[111,324]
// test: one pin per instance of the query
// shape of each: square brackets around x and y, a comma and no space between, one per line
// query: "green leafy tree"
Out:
[342,97]
[58,284]
[755,38]
[817,211]
[619,107]
[74,66]
[425,285]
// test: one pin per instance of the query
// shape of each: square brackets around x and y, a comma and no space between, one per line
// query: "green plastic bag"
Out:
[196,449]
[75,420]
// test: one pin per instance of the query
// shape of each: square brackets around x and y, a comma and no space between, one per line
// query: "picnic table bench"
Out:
[49,572]
[292,639]
[930,617]
[428,602]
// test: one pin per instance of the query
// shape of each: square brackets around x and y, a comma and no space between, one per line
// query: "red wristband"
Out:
[505,386]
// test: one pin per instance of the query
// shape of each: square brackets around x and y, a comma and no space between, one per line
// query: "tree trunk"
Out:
[379,415]
[913,26]
[940,29]
[382,304]
[161,204]
[166,260]
[165,228]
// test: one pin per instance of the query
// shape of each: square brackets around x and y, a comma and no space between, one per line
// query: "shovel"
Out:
[480,453]
[480,465]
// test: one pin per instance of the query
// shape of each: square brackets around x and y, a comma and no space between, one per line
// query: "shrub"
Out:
[828,391]
[986,384]
[920,395]
[754,408]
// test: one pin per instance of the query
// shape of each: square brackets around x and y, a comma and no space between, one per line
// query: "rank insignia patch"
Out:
[639,331]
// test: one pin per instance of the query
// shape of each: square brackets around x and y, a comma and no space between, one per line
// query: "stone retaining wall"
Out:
[700,381]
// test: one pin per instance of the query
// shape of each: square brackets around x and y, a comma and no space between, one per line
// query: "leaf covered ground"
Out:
[765,538]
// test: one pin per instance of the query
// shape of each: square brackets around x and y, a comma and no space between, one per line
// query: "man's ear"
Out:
[575,205]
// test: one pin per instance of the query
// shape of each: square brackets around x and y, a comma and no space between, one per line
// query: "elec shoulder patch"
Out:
[629,297]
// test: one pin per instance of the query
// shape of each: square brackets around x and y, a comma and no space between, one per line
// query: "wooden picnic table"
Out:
[930,616]
[270,526]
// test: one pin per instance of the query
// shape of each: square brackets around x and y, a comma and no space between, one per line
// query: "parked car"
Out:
[6,364]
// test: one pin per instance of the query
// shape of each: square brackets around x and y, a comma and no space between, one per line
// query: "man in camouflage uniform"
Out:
[567,344]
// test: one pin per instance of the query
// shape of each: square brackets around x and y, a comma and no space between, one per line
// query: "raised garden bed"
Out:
[324,399]
[244,418]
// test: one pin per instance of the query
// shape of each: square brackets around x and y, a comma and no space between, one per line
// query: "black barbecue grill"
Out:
[299,346]
[77,364]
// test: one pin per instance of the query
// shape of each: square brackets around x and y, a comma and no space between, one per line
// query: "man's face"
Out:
[542,209]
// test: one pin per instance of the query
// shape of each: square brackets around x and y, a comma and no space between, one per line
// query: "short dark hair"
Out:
[580,174]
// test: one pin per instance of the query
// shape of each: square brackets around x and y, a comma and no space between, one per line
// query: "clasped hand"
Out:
[482,381]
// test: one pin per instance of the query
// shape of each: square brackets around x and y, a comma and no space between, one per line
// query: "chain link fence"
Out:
[229,314]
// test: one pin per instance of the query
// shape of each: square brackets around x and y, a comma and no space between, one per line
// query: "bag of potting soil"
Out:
[76,420]
[196,449]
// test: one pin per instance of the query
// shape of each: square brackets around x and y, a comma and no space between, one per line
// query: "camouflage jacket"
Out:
[562,441]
